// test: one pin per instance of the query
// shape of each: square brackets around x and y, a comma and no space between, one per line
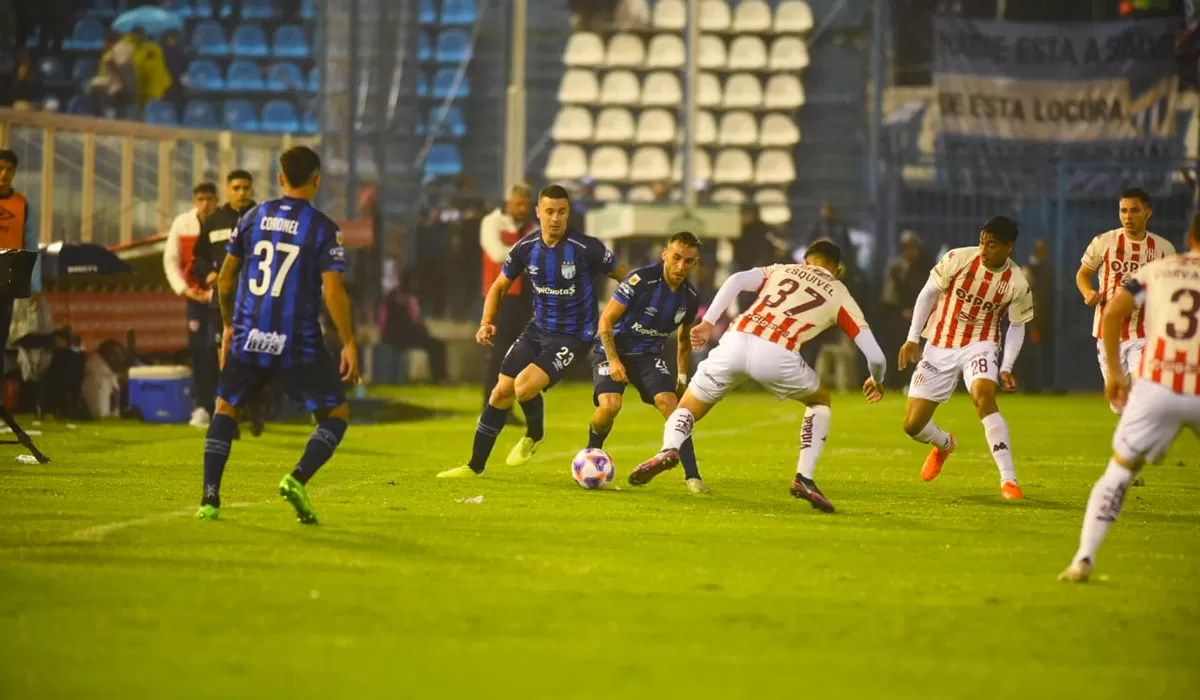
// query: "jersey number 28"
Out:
[266,251]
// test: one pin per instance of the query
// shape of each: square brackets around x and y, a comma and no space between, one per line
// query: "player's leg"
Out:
[606,395]
[933,382]
[319,386]
[995,430]
[1102,358]
[555,355]
[1131,358]
[666,402]
[236,381]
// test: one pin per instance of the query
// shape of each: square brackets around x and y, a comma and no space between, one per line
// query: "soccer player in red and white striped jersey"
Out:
[1165,394]
[1114,256]
[960,309]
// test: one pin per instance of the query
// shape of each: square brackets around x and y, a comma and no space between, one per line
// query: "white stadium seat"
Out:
[737,129]
[584,50]
[793,17]
[743,91]
[578,86]
[566,162]
[662,89]
[614,125]
[710,54]
[670,14]
[708,90]
[702,170]
[771,196]
[705,129]
[714,16]
[778,130]
[572,124]
[752,17]
[641,193]
[609,164]
[728,195]
[625,51]
[774,167]
[788,53]
[784,92]
[607,193]
[666,51]
[655,126]
[619,87]
[733,167]
[649,164]
[775,214]
[747,53]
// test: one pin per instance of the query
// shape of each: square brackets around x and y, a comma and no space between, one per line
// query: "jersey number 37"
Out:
[266,252]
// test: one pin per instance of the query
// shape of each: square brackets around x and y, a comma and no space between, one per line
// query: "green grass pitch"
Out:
[109,588]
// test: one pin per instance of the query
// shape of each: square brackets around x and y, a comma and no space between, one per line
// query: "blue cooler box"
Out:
[163,393]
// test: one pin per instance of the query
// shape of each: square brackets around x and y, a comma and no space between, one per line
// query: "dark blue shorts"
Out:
[551,352]
[647,373]
[317,385]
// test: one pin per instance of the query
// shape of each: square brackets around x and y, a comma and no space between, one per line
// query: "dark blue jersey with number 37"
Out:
[562,277]
[284,245]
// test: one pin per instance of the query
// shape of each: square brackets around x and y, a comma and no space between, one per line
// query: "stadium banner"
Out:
[1016,98]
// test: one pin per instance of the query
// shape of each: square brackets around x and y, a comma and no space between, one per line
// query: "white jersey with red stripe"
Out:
[973,299]
[1168,290]
[1115,256]
[795,303]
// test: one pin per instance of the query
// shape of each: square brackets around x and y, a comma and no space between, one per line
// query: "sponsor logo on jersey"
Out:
[1124,267]
[533,269]
[639,328]
[972,301]
[634,279]
[568,270]
[551,291]
[266,342]
[603,370]
[651,310]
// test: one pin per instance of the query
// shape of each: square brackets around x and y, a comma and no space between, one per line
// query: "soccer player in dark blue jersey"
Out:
[561,265]
[649,305]
[285,259]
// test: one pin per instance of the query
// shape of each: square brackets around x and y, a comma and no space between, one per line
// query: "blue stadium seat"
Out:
[289,42]
[249,40]
[159,112]
[183,8]
[52,71]
[459,12]
[202,8]
[310,125]
[259,9]
[103,8]
[424,47]
[200,114]
[307,11]
[280,115]
[442,159]
[429,14]
[208,39]
[314,79]
[443,82]
[453,47]
[35,38]
[284,77]
[422,84]
[84,70]
[452,126]
[204,74]
[88,35]
[244,75]
[240,116]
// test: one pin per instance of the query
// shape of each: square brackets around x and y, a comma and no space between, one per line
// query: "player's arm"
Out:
[227,287]
[491,307]
[338,302]
[618,273]
[612,313]
[1020,312]
[926,300]
[745,281]
[1087,270]
[1116,312]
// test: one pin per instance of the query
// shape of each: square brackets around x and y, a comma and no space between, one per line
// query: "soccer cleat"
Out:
[522,452]
[208,513]
[1077,572]
[463,472]
[807,490]
[933,463]
[659,463]
[199,418]
[294,492]
[1011,491]
[696,486]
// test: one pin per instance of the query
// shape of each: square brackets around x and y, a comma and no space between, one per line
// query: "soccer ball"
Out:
[592,468]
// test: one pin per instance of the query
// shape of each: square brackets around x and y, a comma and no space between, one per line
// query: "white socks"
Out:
[813,432]
[996,430]
[933,435]
[678,428]
[1103,507]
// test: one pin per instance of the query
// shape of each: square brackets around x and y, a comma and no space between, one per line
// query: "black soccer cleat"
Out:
[807,490]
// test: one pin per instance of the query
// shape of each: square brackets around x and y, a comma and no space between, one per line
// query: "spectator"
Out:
[498,233]
[830,227]
[759,244]
[27,88]
[404,328]
[15,233]
[905,276]
[1038,360]
[112,90]
[176,58]
[149,67]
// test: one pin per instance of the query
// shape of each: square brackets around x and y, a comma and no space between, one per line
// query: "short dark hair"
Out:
[238,174]
[554,192]
[299,164]
[1002,229]
[204,188]
[10,156]
[826,249]
[687,239]
[1136,193]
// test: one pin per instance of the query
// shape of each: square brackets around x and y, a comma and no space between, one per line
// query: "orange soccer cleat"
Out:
[1011,491]
[933,463]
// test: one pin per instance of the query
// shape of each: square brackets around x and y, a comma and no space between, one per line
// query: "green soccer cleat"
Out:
[522,452]
[463,472]
[208,513]
[294,492]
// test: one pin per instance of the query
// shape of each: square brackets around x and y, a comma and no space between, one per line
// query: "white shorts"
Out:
[1131,356]
[936,375]
[1152,418]
[741,356]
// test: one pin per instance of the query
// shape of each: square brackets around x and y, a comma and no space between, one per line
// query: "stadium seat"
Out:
[775,214]
[656,126]
[428,13]
[788,53]
[209,39]
[737,129]
[641,193]
[450,124]
[244,75]
[614,125]
[280,116]
[784,92]
[459,12]
[665,51]
[770,196]
[793,17]
[309,124]
[443,84]
[422,84]
[240,115]
[702,170]
[747,53]
[774,167]
[258,10]
[202,8]
[51,71]
[625,51]
[578,86]
[711,53]
[619,87]
[743,91]
[705,128]
[778,130]
[289,42]
[204,74]
[670,15]
[714,16]
[572,124]
[159,112]
[584,50]
[424,47]
[109,9]
[83,70]
[566,162]
[733,167]
[728,195]
[87,36]
[708,90]
[443,159]
[314,79]
[453,47]
[283,77]
[752,17]
[607,193]
[200,114]
[662,89]
[307,10]
[609,163]
[649,164]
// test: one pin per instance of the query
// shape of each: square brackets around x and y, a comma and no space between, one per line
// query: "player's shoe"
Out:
[463,472]
[1011,491]
[936,459]
[807,490]
[1077,572]
[199,418]
[208,513]
[522,452]
[696,486]
[659,463]
[294,492]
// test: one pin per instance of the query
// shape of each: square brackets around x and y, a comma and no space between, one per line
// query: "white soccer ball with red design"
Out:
[592,468]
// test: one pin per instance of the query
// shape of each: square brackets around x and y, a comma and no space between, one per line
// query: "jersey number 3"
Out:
[788,287]
[266,251]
